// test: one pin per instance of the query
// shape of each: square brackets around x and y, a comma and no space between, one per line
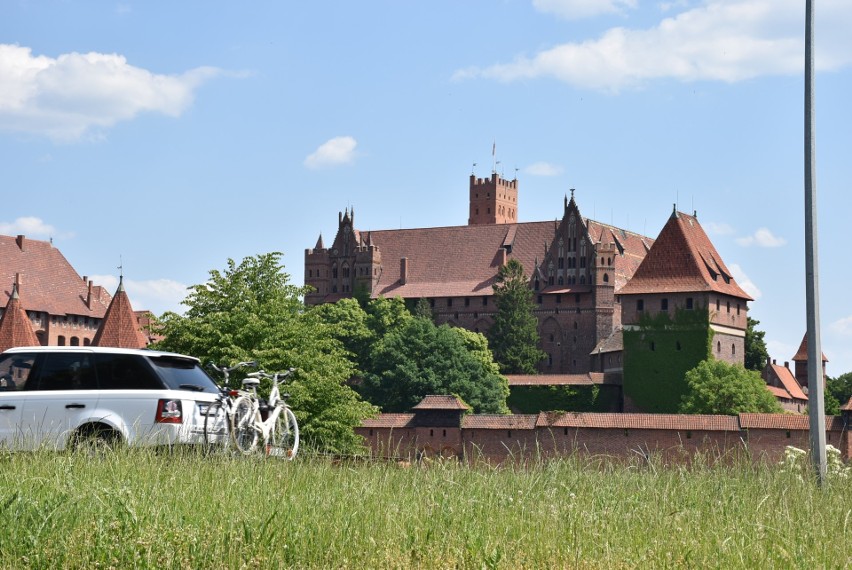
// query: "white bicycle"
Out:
[270,421]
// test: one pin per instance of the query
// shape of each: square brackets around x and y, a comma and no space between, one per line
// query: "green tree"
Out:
[350,325]
[514,335]
[423,310]
[716,387]
[419,359]
[837,392]
[251,311]
[756,355]
[385,315]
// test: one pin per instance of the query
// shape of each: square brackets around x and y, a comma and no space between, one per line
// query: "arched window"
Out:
[606,278]
[75,341]
[60,340]
[334,271]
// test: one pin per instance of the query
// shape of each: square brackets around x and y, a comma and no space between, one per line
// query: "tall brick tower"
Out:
[493,200]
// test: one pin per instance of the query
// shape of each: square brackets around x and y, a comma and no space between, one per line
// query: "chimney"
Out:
[502,256]
[774,362]
[18,281]
[89,296]
[786,365]
[20,241]
[403,270]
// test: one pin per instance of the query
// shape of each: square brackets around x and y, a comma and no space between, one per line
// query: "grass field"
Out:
[146,510]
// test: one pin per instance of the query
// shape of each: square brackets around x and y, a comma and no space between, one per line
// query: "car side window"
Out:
[66,371]
[15,371]
[126,372]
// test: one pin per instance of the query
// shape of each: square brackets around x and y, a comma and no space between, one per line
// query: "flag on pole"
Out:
[494,148]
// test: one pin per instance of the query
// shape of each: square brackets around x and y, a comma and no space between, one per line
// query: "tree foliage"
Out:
[514,335]
[716,387]
[250,311]
[418,359]
[756,355]
[837,392]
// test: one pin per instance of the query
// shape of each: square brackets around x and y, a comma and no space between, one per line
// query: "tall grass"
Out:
[138,509]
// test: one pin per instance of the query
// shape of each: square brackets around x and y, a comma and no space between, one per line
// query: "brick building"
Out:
[60,307]
[576,267]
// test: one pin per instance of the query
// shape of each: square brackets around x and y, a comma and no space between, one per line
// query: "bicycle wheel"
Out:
[285,438]
[215,427]
[243,432]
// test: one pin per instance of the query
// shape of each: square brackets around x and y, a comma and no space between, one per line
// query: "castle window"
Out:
[582,279]
[540,299]
[640,305]
[551,337]
[550,360]
[733,349]
[577,298]
[718,346]
[606,278]
[717,305]
[677,345]
[561,281]
[664,304]
[60,340]
[75,341]
[86,342]
[689,305]
[738,309]
[449,301]
[729,306]
[334,271]
[561,263]
[582,262]
[467,301]
[575,325]
[558,299]
[485,301]
[653,346]
[432,302]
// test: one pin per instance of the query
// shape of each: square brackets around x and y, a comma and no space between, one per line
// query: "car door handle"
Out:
[7,407]
[74,406]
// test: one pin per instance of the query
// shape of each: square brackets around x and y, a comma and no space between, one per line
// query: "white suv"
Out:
[61,396]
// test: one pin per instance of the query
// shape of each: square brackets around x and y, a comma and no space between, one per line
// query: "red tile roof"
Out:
[632,248]
[48,282]
[15,326]
[441,403]
[683,260]
[587,379]
[785,421]
[497,421]
[802,353]
[388,421]
[639,421]
[848,406]
[791,385]
[120,328]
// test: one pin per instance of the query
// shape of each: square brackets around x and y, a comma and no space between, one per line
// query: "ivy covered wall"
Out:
[535,399]
[659,352]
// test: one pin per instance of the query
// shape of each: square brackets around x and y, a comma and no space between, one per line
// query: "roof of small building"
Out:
[613,343]
[498,421]
[638,421]
[48,282]
[683,260]
[15,327]
[802,353]
[848,406]
[441,403]
[785,376]
[587,379]
[120,327]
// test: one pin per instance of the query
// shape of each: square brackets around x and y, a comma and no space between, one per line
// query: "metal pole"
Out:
[816,407]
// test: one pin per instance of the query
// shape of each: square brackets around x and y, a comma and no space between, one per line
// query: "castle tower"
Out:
[493,200]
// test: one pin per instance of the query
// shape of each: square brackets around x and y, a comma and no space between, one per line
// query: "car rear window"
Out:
[183,374]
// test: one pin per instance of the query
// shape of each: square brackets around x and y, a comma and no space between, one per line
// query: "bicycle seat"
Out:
[251,382]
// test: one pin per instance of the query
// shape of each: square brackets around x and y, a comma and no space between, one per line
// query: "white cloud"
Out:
[717,228]
[745,282]
[155,295]
[337,151]
[78,94]
[781,351]
[721,40]
[762,238]
[576,9]
[543,169]
[842,326]
[29,226]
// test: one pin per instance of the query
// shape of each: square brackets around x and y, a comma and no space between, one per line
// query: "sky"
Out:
[164,138]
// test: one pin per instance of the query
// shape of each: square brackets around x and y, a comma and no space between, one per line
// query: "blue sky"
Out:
[167,137]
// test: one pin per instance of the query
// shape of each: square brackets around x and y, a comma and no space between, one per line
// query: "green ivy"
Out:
[535,399]
[658,354]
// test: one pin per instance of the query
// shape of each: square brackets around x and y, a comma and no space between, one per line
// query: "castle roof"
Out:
[459,261]
[499,421]
[639,421]
[15,326]
[802,353]
[120,327]
[50,284]
[683,260]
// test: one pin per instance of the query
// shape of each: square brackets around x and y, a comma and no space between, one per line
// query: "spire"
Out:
[15,326]
[120,328]
[674,211]
[320,244]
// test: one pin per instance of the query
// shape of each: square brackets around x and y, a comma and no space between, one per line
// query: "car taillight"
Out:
[169,412]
